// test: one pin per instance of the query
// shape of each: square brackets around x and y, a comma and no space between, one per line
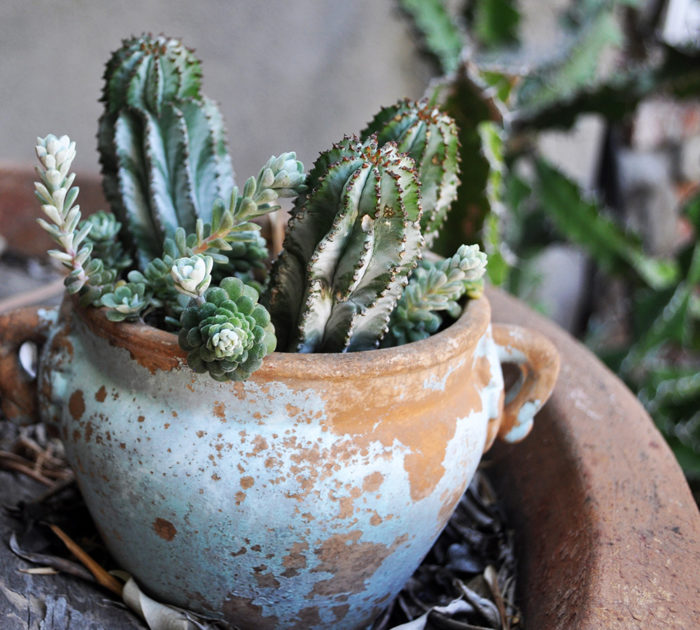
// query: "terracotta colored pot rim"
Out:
[162,347]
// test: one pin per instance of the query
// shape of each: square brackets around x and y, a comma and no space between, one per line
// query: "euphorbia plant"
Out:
[181,250]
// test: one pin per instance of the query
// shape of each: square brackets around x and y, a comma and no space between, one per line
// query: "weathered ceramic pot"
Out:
[302,498]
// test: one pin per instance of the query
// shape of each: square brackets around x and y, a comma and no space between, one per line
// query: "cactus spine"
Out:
[351,244]
[161,142]
[429,136]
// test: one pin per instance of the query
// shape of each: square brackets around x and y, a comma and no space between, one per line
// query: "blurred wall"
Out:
[288,75]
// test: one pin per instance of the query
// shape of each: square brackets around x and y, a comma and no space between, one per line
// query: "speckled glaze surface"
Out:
[302,498]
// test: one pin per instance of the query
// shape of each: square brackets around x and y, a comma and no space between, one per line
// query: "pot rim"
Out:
[161,349]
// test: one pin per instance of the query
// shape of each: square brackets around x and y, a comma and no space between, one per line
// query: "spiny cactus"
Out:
[226,332]
[429,136]
[161,142]
[350,246]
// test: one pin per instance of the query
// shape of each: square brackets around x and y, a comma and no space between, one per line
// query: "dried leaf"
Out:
[57,563]
[161,616]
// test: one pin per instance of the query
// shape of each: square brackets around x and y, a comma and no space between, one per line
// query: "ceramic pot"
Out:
[302,498]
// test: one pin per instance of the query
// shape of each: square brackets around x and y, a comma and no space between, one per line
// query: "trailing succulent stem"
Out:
[435,290]
[429,136]
[351,244]
[57,195]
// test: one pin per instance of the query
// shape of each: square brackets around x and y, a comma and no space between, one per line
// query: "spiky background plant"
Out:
[180,246]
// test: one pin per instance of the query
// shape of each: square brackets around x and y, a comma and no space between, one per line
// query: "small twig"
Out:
[12,464]
[492,580]
[102,577]
[35,296]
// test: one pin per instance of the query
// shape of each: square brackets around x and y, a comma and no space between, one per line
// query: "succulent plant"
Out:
[126,302]
[192,275]
[350,246]
[429,136]
[161,142]
[104,238]
[57,195]
[360,220]
[228,333]
[435,289]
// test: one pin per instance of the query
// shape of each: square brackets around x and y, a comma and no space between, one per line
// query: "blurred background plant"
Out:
[615,216]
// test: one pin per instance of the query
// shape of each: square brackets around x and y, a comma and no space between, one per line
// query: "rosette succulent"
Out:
[192,275]
[228,333]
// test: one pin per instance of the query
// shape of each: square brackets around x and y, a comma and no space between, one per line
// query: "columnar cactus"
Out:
[162,143]
[429,136]
[350,246]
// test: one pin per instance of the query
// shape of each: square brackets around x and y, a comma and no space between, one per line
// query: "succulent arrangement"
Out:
[181,249]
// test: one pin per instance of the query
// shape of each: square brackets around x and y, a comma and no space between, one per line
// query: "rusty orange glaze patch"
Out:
[219,410]
[371,483]
[412,420]
[101,394]
[341,611]
[165,529]
[295,559]
[376,519]
[259,444]
[350,561]
[242,612]
[141,418]
[266,580]
[247,482]
[306,618]
[76,404]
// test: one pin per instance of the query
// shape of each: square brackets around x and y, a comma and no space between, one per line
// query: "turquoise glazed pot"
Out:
[304,497]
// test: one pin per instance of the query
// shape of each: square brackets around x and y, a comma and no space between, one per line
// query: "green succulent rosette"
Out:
[227,334]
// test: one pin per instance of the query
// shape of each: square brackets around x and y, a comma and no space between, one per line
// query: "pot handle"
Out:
[538,362]
[18,388]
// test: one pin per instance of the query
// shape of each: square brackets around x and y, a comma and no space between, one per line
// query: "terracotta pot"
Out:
[607,531]
[305,496]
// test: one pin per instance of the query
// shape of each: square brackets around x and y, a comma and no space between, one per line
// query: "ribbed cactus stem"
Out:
[351,244]
[162,143]
[429,136]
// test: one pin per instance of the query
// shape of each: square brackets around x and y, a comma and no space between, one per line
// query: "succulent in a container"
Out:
[362,430]
[348,277]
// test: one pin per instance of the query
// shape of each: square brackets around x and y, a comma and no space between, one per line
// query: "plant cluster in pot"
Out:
[294,488]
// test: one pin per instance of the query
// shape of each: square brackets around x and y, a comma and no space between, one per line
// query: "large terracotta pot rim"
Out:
[163,350]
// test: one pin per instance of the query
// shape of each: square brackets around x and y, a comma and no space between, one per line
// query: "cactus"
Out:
[161,142]
[429,136]
[350,246]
